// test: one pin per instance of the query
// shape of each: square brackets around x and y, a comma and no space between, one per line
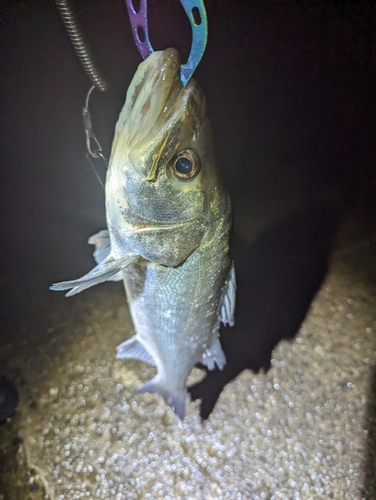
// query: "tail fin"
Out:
[175,399]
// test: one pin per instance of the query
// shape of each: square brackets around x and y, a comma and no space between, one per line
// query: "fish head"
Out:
[162,189]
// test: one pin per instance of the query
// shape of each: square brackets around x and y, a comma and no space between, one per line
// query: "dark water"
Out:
[290,91]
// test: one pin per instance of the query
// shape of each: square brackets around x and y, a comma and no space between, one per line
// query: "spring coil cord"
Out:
[81,45]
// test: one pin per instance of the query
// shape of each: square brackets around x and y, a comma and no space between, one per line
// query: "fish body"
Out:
[169,219]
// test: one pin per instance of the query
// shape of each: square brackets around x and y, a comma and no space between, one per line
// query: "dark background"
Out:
[290,87]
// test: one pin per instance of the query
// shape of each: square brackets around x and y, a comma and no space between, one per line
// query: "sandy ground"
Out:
[303,430]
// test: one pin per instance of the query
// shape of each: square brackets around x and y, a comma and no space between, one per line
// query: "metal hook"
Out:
[195,10]
[93,146]
[92,143]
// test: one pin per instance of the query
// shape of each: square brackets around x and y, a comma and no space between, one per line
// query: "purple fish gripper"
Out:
[195,10]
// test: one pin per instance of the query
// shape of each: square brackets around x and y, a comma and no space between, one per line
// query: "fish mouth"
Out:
[155,86]
[155,100]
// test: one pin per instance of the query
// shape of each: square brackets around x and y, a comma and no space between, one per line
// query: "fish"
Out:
[168,220]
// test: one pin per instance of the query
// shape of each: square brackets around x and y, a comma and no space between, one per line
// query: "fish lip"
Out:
[161,79]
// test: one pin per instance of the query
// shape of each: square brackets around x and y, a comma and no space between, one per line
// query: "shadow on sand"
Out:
[369,491]
[277,278]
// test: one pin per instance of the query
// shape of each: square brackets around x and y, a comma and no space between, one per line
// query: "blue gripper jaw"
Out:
[195,10]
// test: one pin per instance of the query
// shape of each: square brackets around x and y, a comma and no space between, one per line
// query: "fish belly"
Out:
[175,316]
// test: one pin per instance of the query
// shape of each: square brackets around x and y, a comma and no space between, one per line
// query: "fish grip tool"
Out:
[195,10]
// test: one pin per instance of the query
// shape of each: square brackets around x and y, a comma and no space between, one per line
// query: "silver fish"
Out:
[169,219]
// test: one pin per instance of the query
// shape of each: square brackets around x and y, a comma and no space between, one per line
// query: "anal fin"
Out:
[214,356]
[133,349]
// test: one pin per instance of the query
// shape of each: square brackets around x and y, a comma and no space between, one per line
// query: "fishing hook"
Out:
[195,10]
[94,149]
[92,143]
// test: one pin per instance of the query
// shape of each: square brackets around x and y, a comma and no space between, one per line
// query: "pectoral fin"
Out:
[102,250]
[102,244]
[102,272]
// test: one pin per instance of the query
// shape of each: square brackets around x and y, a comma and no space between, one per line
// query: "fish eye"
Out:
[185,165]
